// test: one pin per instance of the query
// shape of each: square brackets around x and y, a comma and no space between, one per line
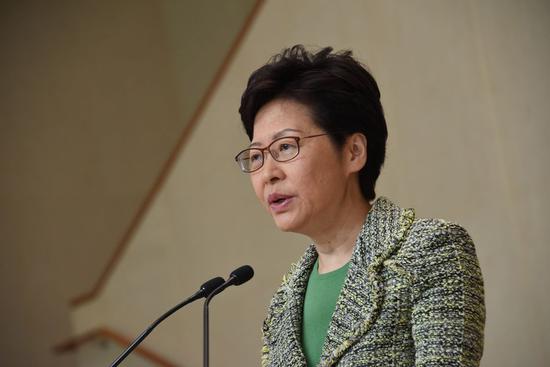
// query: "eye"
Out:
[255,157]
[284,146]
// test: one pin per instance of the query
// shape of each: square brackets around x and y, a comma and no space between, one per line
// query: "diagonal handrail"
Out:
[167,167]
[72,344]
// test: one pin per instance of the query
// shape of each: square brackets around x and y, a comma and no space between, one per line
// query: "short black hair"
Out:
[340,92]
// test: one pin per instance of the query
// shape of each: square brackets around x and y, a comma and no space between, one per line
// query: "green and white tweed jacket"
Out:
[413,296]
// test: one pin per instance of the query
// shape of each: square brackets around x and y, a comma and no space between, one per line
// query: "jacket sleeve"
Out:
[448,314]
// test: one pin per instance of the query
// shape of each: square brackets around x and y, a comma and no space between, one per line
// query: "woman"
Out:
[378,287]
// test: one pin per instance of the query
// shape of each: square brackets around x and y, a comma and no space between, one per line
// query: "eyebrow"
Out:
[276,136]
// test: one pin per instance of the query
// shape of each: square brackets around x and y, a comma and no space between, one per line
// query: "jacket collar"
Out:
[360,299]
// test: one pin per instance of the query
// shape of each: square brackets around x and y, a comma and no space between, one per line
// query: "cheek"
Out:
[258,188]
[322,185]
[315,175]
[311,187]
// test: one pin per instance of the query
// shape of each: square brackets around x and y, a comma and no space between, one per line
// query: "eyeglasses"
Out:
[281,149]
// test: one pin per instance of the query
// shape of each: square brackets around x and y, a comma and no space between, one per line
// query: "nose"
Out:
[271,170]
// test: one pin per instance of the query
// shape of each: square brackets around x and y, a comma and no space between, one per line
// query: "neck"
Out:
[336,242]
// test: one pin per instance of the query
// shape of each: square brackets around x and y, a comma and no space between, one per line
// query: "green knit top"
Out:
[320,301]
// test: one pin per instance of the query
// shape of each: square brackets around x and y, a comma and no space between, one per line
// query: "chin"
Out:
[283,228]
[286,224]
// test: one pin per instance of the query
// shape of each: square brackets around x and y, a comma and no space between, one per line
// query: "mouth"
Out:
[279,202]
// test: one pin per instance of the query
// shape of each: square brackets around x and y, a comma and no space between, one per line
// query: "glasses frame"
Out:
[267,148]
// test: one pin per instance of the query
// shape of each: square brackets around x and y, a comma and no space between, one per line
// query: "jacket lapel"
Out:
[362,293]
[295,292]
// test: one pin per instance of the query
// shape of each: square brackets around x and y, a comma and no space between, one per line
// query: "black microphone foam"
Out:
[209,286]
[242,275]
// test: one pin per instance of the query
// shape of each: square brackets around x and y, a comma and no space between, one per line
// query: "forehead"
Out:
[281,114]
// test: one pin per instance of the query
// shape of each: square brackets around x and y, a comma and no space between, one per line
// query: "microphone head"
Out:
[242,275]
[209,286]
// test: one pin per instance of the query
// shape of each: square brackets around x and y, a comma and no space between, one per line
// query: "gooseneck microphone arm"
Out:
[204,291]
[237,277]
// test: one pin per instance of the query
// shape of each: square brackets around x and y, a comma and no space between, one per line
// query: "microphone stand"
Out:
[237,277]
[205,289]
[206,321]
[147,331]
[206,334]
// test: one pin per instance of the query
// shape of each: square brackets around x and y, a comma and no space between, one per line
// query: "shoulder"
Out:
[429,234]
[435,243]
[447,295]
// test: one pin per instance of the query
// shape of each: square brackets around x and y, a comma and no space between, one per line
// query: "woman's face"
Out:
[304,194]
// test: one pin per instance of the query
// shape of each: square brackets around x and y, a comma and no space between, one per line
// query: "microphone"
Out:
[208,287]
[204,291]
[237,277]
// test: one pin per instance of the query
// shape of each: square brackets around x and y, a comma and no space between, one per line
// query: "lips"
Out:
[279,202]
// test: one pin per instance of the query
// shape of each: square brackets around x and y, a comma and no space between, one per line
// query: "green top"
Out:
[320,301]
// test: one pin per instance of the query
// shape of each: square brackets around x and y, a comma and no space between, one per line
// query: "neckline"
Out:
[330,274]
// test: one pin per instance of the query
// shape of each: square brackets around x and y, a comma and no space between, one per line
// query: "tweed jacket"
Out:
[413,296]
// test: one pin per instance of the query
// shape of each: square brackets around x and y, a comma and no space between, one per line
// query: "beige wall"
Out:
[465,90]
[91,107]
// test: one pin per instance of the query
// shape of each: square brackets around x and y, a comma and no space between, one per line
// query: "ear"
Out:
[356,152]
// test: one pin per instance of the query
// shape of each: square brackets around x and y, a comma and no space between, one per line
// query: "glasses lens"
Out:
[284,149]
[250,160]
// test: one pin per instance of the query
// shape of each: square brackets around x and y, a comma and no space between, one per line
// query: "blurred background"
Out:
[119,194]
